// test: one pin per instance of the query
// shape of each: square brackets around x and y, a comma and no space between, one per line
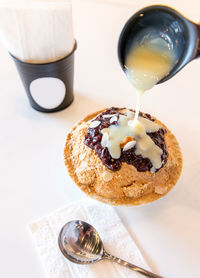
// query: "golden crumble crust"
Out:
[126,186]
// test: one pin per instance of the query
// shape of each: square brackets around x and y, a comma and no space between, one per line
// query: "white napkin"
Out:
[37,31]
[115,237]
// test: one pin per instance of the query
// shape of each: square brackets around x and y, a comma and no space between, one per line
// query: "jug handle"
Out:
[198,48]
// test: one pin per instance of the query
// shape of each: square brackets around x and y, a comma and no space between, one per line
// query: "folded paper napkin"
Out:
[115,237]
[37,31]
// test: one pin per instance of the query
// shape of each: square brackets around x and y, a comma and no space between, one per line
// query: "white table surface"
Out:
[33,178]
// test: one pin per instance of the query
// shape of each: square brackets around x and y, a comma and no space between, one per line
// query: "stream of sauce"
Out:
[147,62]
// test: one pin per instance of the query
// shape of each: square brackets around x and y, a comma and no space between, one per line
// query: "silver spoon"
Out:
[80,243]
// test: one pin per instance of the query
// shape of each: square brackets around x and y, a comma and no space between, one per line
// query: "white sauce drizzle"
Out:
[148,61]
[145,146]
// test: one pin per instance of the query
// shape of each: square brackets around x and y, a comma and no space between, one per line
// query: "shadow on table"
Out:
[81,106]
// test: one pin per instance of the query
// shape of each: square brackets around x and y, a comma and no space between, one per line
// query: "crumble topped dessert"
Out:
[120,169]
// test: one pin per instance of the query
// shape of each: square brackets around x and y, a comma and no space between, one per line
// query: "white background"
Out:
[33,178]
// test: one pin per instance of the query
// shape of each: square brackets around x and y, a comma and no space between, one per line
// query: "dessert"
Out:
[120,156]
[115,162]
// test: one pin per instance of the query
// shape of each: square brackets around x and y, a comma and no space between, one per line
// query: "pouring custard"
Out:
[147,62]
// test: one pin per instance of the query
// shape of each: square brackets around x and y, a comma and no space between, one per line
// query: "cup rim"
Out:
[48,63]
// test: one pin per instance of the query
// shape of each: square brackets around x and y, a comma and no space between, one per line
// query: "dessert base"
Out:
[126,186]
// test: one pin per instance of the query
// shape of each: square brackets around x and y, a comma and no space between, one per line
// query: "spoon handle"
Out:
[131,266]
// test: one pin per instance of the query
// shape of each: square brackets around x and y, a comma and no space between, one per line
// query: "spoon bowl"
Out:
[80,243]
[181,34]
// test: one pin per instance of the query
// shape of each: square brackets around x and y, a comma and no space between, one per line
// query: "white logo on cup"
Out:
[48,92]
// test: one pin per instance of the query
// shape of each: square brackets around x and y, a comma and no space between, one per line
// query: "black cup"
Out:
[49,86]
